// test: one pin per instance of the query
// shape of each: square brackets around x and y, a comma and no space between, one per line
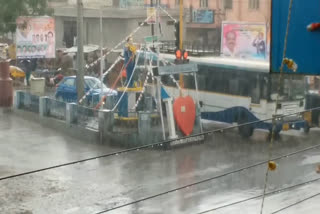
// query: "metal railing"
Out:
[57,109]
[30,102]
[87,117]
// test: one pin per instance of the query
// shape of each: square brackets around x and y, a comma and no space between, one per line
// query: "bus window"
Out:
[255,89]
[189,82]
[264,87]
[292,87]
[167,80]
[201,82]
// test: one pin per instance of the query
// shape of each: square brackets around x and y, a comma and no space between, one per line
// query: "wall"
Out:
[241,12]
[115,28]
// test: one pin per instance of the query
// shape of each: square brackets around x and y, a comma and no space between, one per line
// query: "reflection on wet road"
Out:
[105,183]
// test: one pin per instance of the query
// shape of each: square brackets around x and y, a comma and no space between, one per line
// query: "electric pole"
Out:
[181,82]
[80,58]
[152,26]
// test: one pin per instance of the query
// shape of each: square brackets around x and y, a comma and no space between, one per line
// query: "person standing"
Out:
[129,60]
[260,45]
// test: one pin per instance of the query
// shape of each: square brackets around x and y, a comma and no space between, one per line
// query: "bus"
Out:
[241,91]
[313,99]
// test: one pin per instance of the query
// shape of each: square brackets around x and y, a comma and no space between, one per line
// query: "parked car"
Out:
[67,91]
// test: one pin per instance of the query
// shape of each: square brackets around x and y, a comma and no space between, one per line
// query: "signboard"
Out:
[150,39]
[244,40]
[177,69]
[178,142]
[303,46]
[203,16]
[35,37]
[131,3]
[151,12]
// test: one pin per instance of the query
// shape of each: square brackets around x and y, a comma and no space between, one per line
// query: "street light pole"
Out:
[181,82]
[80,58]
[152,25]
[101,53]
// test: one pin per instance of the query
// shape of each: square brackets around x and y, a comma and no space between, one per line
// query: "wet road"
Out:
[102,184]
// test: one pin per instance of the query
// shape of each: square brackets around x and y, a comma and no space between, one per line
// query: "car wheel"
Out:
[245,131]
[306,128]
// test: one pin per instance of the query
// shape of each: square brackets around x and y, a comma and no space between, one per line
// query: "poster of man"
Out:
[35,37]
[244,40]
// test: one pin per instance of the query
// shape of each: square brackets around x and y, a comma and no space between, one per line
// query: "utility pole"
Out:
[80,58]
[101,52]
[152,25]
[181,82]
[181,25]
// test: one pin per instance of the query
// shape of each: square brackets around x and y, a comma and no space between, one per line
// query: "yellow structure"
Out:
[17,72]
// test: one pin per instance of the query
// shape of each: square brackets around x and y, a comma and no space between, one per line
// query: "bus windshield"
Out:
[291,88]
[313,85]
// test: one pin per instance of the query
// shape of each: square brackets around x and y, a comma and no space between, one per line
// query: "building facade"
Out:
[203,19]
[120,18]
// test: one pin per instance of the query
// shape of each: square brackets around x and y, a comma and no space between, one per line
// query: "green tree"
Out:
[11,9]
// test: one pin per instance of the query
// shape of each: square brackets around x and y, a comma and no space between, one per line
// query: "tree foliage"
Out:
[11,9]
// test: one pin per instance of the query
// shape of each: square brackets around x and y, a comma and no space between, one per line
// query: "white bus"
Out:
[241,91]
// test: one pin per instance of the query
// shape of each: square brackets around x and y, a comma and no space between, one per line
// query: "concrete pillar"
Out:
[27,100]
[170,119]
[110,102]
[131,99]
[18,99]
[106,123]
[198,125]
[144,126]
[71,113]
[6,87]
[43,106]
[148,103]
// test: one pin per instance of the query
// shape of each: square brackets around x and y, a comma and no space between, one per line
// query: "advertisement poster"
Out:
[35,37]
[151,12]
[245,40]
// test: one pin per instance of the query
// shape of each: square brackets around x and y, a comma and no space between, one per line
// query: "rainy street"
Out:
[106,183]
[159,107]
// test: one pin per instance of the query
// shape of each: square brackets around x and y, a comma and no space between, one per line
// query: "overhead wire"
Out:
[277,102]
[296,203]
[201,182]
[259,196]
[164,143]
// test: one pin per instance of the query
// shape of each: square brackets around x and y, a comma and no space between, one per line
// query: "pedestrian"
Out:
[129,60]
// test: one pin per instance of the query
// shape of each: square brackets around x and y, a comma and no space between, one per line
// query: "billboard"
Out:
[35,37]
[302,45]
[244,40]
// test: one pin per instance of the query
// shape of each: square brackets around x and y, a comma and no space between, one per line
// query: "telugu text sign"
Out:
[178,69]
[245,40]
[35,37]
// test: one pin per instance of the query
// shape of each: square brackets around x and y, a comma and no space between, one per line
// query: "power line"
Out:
[259,196]
[277,100]
[163,143]
[298,202]
[197,183]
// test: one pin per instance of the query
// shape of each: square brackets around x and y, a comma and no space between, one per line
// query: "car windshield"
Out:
[94,84]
